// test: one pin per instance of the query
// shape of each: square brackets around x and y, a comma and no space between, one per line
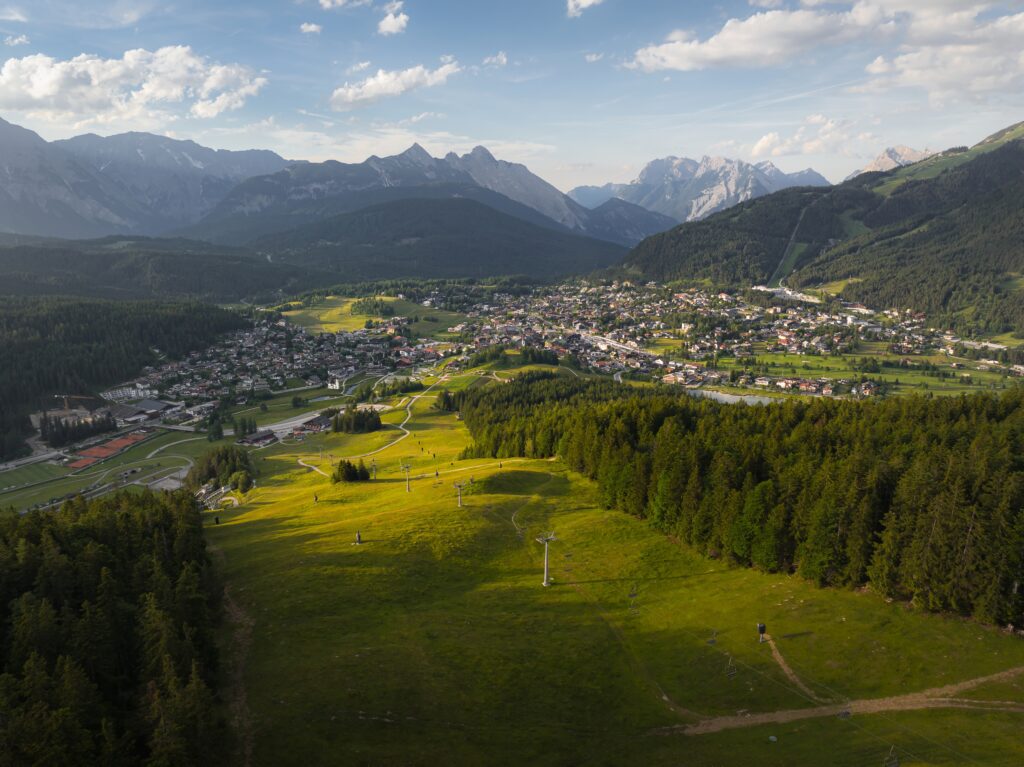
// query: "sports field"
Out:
[434,642]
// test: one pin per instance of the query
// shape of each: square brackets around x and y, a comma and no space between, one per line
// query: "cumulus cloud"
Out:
[969,57]
[141,88]
[395,21]
[360,66]
[499,59]
[952,49]
[310,29]
[388,84]
[817,135]
[593,58]
[575,8]
[13,40]
[764,39]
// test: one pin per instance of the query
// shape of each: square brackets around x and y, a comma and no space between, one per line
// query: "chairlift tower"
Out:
[406,468]
[373,467]
[546,539]
[459,486]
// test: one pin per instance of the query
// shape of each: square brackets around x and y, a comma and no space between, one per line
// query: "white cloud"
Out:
[970,58]
[593,58]
[764,39]
[360,66]
[499,59]
[771,3]
[328,5]
[423,116]
[817,135]
[10,13]
[310,29]
[575,8]
[395,21]
[388,84]
[13,40]
[141,89]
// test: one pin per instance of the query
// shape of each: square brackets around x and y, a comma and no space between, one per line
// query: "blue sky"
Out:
[582,91]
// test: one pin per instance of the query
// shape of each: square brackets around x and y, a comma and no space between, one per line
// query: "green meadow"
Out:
[433,642]
[334,315]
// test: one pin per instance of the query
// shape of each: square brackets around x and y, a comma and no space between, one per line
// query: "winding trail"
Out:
[173,444]
[317,469]
[789,672]
[936,697]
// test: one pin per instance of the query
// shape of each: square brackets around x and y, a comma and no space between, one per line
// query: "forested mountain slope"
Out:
[130,268]
[945,236]
[437,238]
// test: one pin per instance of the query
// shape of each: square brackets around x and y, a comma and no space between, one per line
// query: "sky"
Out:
[581,91]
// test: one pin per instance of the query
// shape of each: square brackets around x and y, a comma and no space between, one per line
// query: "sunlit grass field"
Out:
[334,315]
[434,642]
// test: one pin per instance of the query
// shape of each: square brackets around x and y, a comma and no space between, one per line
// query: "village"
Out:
[698,339]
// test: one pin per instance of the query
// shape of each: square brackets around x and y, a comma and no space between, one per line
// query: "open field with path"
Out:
[434,642]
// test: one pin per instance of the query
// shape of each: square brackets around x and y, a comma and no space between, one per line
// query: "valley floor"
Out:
[433,642]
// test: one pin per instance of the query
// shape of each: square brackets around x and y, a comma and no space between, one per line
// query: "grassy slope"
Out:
[434,642]
[334,315]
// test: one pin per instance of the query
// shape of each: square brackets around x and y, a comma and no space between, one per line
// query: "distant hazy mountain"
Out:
[178,181]
[142,184]
[44,190]
[436,238]
[302,194]
[892,158]
[688,190]
[133,183]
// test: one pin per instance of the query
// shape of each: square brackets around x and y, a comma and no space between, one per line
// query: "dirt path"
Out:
[172,444]
[936,697]
[317,469]
[791,674]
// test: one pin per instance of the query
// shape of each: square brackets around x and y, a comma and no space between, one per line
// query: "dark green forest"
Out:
[355,421]
[72,346]
[107,652]
[436,239]
[920,498]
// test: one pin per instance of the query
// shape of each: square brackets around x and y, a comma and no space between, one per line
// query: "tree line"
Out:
[226,465]
[347,471]
[107,652]
[356,421]
[58,432]
[920,498]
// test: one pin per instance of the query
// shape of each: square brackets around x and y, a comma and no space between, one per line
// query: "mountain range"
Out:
[893,158]
[689,190]
[302,194]
[944,235]
[134,183]
[142,184]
